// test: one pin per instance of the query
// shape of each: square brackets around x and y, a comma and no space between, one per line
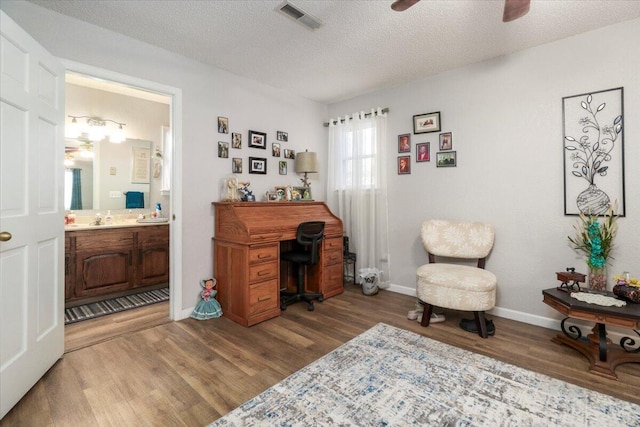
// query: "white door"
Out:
[31,212]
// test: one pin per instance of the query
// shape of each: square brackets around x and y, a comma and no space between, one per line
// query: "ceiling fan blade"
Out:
[514,9]
[402,5]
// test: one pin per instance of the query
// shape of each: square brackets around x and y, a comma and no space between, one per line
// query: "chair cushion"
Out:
[458,287]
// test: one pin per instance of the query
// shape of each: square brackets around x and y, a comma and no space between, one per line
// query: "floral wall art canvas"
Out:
[593,152]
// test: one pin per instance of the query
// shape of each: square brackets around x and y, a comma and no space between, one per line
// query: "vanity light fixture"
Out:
[96,129]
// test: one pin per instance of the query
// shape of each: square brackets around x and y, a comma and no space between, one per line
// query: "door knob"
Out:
[5,236]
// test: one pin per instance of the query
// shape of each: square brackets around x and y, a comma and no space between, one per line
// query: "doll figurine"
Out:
[208,307]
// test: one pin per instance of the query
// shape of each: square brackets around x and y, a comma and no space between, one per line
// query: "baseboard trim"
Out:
[615,334]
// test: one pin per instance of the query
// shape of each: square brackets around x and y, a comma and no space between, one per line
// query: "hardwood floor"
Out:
[191,372]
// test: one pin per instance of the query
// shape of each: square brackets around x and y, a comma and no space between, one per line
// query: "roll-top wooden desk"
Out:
[246,256]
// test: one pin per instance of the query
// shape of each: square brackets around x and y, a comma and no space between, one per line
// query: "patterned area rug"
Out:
[102,308]
[392,377]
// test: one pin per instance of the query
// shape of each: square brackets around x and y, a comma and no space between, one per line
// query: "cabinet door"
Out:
[104,261]
[153,255]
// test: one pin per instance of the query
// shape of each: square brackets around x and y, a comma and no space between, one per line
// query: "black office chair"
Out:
[309,236]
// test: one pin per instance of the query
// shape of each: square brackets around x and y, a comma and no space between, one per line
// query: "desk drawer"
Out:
[260,272]
[331,257]
[332,280]
[334,243]
[263,297]
[263,254]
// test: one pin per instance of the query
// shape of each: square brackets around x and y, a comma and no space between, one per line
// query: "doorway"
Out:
[166,191]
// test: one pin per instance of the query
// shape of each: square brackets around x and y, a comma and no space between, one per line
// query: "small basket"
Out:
[629,293]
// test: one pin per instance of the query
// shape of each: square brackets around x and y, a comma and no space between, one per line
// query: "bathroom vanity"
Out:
[113,260]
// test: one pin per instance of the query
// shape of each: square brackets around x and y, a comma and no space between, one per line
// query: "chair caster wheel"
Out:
[283,307]
[320,299]
[310,307]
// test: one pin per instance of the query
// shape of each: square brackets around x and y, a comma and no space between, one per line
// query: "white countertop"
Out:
[123,224]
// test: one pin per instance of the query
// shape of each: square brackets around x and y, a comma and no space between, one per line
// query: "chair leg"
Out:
[426,314]
[481,323]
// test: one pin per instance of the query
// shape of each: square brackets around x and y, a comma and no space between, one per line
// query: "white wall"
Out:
[206,94]
[506,119]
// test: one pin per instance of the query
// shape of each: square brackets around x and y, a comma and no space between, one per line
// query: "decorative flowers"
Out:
[595,239]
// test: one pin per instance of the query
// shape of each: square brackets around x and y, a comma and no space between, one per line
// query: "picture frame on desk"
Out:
[301,194]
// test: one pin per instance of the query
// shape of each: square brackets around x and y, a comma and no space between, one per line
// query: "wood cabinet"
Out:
[112,261]
[247,244]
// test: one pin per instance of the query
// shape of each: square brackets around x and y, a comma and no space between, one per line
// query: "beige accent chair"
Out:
[457,286]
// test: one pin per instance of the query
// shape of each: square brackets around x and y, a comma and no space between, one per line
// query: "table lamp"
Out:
[306,162]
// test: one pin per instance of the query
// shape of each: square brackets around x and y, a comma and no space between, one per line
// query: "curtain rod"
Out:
[384,110]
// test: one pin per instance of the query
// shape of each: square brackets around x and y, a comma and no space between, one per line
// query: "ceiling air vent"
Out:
[293,12]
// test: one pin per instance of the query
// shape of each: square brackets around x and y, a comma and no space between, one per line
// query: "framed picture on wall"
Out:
[404,165]
[425,123]
[236,165]
[423,152]
[446,141]
[275,149]
[404,143]
[446,159]
[282,136]
[236,140]
[223,125]
[223,149]
[282,167]
[258,165]
[257,139]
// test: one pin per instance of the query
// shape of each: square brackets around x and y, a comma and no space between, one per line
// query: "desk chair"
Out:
[309,237]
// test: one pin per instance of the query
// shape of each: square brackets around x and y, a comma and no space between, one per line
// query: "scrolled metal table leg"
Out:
[627,344]
[602,345]
[573,331]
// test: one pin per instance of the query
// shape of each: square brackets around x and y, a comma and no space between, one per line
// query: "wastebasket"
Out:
[370,278]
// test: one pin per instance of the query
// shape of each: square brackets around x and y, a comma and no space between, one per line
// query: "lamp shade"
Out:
[306,162]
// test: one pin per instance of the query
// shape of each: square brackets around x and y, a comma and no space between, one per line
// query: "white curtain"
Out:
[357,186]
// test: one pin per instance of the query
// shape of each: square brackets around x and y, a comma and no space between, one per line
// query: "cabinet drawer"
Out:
[153,236]
[262,254]
[98,240]
[332,257]
[335,243]
[263,297]
[264,271]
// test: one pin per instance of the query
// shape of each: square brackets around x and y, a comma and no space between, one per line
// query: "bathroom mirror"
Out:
[101,173]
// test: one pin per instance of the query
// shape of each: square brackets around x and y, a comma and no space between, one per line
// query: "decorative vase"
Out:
[593,201]
[598,278]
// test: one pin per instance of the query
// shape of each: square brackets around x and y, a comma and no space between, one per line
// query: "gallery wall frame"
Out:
[236,140]
[223,149]
[593,152]
[446,141]
[404,165]
[423,152]
[446,159]
[223,125]
[426,123]
[236,165]
[257,139]
[404,143]
[258,165]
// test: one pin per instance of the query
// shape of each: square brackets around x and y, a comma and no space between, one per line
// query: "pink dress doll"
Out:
[208,307]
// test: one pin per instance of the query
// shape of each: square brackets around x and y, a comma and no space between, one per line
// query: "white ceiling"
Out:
[361,46]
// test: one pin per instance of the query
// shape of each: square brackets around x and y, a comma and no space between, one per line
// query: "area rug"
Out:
[114,305]
[392,377]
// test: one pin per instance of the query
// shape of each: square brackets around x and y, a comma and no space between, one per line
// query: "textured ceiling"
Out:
[361,46]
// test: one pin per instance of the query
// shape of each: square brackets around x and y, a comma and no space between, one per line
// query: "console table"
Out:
[247,244]
[603,355]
